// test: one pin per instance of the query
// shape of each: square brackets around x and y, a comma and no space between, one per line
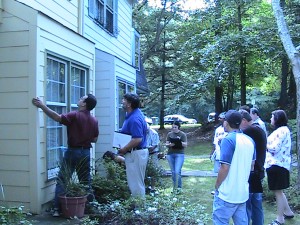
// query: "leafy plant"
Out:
[13,215]
[70,183]
[113,185]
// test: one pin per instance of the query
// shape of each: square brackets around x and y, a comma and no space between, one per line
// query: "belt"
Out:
[151,153]
[79,147]
[137,148]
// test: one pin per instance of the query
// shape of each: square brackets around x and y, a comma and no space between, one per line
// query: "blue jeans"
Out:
[75,160]
[255,209]
[223,211]
[175,162]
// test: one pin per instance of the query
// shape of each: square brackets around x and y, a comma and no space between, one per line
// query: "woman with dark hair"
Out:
[176,142]
[278,161]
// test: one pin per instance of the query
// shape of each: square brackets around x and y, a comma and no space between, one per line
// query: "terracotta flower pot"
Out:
[72,206]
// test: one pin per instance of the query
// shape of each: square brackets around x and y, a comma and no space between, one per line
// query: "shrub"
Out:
[113,186]
[12,215]
[160,209]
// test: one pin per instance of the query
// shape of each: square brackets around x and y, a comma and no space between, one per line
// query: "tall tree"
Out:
[294,57]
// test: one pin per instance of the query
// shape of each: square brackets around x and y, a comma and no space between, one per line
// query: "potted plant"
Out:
[74,197]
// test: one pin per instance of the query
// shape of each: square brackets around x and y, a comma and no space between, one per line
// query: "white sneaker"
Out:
[213,192]
[55,213]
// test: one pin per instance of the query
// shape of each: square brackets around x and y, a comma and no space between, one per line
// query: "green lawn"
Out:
[197,189]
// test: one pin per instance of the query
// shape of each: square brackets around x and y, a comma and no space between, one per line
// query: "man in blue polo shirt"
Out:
[135,152]
[237,160]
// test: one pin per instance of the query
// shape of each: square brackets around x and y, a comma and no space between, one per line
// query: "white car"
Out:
[170,119]
[148,120]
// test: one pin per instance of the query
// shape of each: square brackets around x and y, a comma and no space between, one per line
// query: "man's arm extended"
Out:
[49,112]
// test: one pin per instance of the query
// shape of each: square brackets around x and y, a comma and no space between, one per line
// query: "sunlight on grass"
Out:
[192,164]
[200,149]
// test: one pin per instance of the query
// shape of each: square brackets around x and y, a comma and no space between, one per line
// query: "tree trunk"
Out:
[283,99]
[294,57]
[242,60]
[163,87]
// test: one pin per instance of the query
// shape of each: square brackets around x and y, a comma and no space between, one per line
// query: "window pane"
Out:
[109,21]
[100,8]
[78,84]
[110,4]
[123,88]
[55,81]
[54,143]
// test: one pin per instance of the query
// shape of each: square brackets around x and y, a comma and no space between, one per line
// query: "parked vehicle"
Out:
[148,120]
[211,117]
[170,119]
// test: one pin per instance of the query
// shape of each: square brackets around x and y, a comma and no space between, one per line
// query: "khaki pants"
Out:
[136,163]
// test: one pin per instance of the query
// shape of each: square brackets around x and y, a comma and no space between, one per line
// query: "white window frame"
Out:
[136,56]
[123,87]
[105,14]
[63,90]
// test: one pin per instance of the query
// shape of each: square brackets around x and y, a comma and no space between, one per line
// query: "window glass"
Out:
[104,13]
[78,84]
[123,88]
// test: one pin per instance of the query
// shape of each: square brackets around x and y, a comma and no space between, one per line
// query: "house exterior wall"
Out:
[113,62]
[26,36]
[108,70]
[63,11]
[29,29]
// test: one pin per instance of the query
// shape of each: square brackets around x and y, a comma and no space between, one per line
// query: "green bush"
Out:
[113,186]
[13,215]
[161,209]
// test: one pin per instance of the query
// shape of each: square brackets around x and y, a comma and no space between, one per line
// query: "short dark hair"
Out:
[280,118]
[245,107]
[177,123]
[133,99]
[254,110]
[90,101]
[233,118]
[245,115]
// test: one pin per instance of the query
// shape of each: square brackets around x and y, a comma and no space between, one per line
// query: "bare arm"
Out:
[49,112]
[223,172]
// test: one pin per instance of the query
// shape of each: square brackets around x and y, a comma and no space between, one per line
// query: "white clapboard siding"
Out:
[63,11]
[119,46]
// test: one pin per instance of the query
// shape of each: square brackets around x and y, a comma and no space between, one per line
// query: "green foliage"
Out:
[13,215]
[154,174]
[113,185]
[69,181]
[162,209]
[202,51]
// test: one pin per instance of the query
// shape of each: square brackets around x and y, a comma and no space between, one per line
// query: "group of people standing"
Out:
[242,152]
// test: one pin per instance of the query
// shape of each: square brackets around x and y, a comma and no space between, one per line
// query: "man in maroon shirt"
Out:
[82,130]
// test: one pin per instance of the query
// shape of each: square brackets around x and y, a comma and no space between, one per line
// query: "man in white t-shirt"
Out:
[237,160]
[219,135]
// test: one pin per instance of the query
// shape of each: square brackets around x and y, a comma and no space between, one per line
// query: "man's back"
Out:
[237,150]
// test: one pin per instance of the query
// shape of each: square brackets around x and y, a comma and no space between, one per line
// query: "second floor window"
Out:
[104,13]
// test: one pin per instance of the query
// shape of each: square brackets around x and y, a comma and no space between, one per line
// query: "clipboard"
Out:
[177,142]
[120,139]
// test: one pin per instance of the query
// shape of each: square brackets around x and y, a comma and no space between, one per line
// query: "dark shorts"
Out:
[278,178]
